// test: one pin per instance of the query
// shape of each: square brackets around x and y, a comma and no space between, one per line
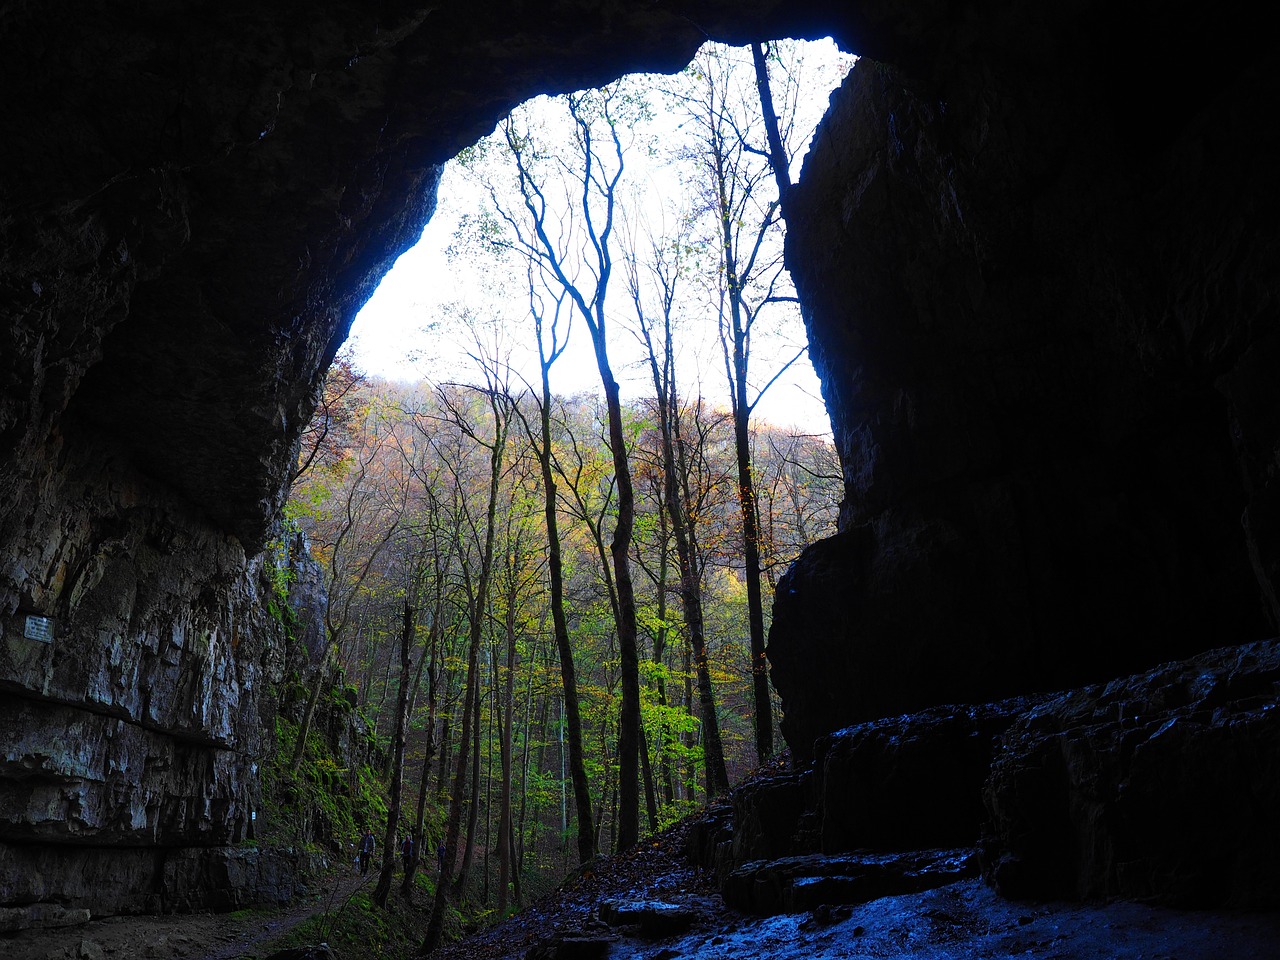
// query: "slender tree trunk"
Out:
[659,652]
[676,487]
[746,488]
[473,813]
[599,226]
[419,841]
[442,776]
[304,728]
[428,751]
[560,626]
[383,888]
[628,819]
[751,557]
[505,846]
[646,769]
[454,826]
[777,154]
[689,738]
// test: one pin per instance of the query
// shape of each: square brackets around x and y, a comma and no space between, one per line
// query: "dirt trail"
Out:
[194,936]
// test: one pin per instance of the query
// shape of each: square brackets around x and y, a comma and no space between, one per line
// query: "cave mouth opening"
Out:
[693,200]
[414,326]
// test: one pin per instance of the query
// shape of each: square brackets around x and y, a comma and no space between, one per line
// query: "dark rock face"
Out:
[122,722]
[1041,298]
[1160,787]
[797,884]
[910,782]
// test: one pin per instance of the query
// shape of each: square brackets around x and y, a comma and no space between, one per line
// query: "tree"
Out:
[665,268]
[591,114]
[365,524]
[477,585]
[383,888]
[550,347]
[751,278]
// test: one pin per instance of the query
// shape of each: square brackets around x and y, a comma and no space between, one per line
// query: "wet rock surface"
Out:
[1159,787]
[909,782]
[962,920]
[800,884]
[650,918]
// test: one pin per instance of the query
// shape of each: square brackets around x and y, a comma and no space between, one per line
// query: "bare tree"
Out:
[751,279]
[596,175]
[550,346]
[664,263]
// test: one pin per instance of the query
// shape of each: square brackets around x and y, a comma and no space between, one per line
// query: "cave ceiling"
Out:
[198,199]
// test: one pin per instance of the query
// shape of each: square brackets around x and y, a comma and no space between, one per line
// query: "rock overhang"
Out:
[200,201]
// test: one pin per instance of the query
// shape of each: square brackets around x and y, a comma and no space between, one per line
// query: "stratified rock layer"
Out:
[1161,787]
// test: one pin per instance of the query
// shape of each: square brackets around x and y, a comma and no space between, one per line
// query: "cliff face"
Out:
[134,644]
[1037,252]
[1039,281]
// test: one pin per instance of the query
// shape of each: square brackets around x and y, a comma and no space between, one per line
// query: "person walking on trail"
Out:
[406,849]
[366,852]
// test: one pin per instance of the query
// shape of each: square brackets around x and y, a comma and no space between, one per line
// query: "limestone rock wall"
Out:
[1038,275]
[124,746]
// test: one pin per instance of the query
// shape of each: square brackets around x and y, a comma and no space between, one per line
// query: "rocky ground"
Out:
[653,904]
[192,936]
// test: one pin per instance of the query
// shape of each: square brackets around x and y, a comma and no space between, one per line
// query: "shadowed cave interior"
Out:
[1036,248]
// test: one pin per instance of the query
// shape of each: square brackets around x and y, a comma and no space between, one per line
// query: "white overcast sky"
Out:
[393,335]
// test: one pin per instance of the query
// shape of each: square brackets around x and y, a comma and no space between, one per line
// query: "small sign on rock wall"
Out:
[39,629]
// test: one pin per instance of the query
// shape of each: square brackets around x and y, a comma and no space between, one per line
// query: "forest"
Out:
[549,607]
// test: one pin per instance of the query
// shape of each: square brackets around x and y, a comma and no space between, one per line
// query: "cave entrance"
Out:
[414,325]
[424,475]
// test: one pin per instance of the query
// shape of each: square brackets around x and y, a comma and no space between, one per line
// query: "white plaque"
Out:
[39,629]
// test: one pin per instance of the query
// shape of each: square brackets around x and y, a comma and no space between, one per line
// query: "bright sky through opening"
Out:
[403,334]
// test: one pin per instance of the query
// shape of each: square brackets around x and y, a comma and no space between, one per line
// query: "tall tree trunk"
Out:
[646,769]
[777,154]
[419,840]
[454,825]
[428,750]
[746,487]
[442,776]
[473,812]
[751,557]
[383,888]
[659,653]
[628,821]
[599,226]
[560,626]
[505,846]
[677,494]
[691,597]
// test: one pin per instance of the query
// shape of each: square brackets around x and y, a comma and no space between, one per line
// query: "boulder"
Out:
[1162,787]
[799,884]
[910,782]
